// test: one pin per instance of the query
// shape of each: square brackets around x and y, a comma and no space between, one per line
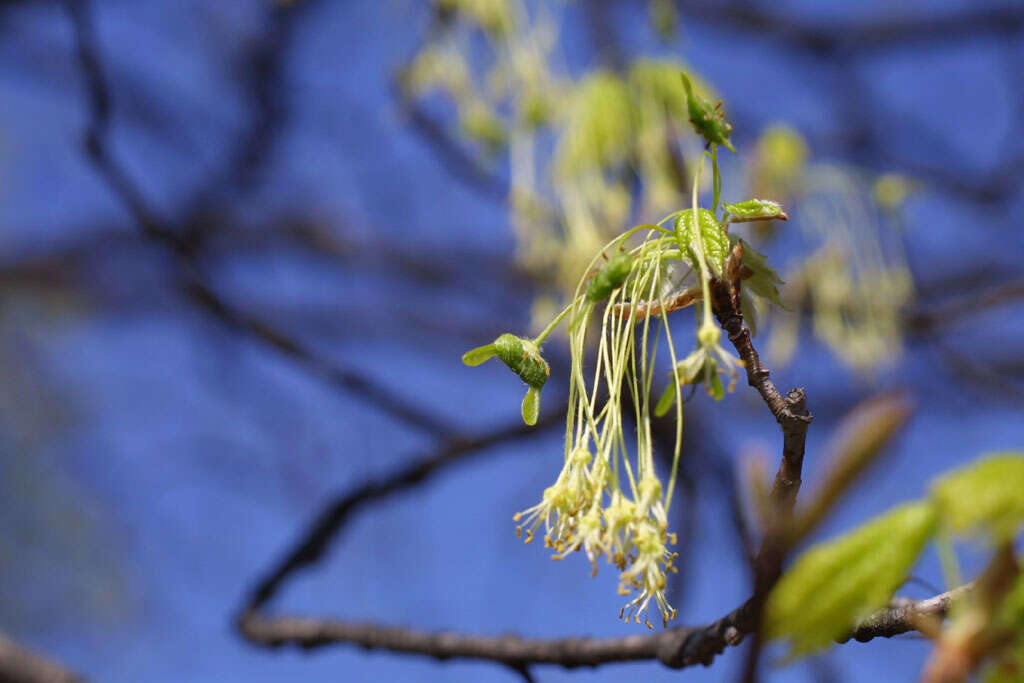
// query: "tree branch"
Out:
[192,284]
[859,35]
[905,615]
[334,516]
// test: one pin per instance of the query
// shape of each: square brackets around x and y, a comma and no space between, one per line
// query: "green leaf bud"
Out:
[523,358]
[707,119]
[609,278]
[755,210]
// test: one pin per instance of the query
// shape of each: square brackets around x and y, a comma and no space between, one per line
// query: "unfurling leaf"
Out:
[716,241]
[531,406]
[609,278]
[762,279]
[479,355]
[985,496]
[833,585]
[755,210]
[523,357]
[707,119]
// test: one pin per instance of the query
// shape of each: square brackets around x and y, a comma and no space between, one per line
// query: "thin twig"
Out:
[336,513]
[192,284]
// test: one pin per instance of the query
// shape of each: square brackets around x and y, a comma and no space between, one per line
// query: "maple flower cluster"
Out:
[607,501]
[584,510]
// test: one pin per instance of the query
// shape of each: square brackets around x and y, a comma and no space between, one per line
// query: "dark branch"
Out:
[334,516]
[192,284]
[905,615]
[858,35]
[792,415]
[676,648]
[937,318]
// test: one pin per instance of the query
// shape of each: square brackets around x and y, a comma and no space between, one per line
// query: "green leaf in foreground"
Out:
[716,240]
[985,496]
[833,585]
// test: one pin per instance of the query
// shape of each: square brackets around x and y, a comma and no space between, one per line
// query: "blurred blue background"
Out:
[154,462]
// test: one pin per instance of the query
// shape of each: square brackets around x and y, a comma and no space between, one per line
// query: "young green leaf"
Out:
[834,584]
[610,277]
[665,401]
[987,495]
[479,355]
[763,280]
[755,210]
[531,406]
[716,241]
[522,357]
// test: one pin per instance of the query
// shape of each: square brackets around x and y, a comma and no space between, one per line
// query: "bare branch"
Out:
[861,35]
[906,615]
[937,318]
[646,309]
[192,284]
[334,516]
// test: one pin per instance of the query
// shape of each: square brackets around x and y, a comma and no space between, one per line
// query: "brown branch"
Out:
[792,415]
[857,35]
[789,411]
[903,616]
[329,522]
[675,648]
[18,665]
[645,309]
[192,284]
[935,319]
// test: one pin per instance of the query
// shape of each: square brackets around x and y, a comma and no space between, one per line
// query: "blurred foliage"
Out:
[590,153]
[834,584]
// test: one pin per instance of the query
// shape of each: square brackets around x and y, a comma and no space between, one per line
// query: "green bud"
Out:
[755,210]
[523,358]
[609,278]
[707,119]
